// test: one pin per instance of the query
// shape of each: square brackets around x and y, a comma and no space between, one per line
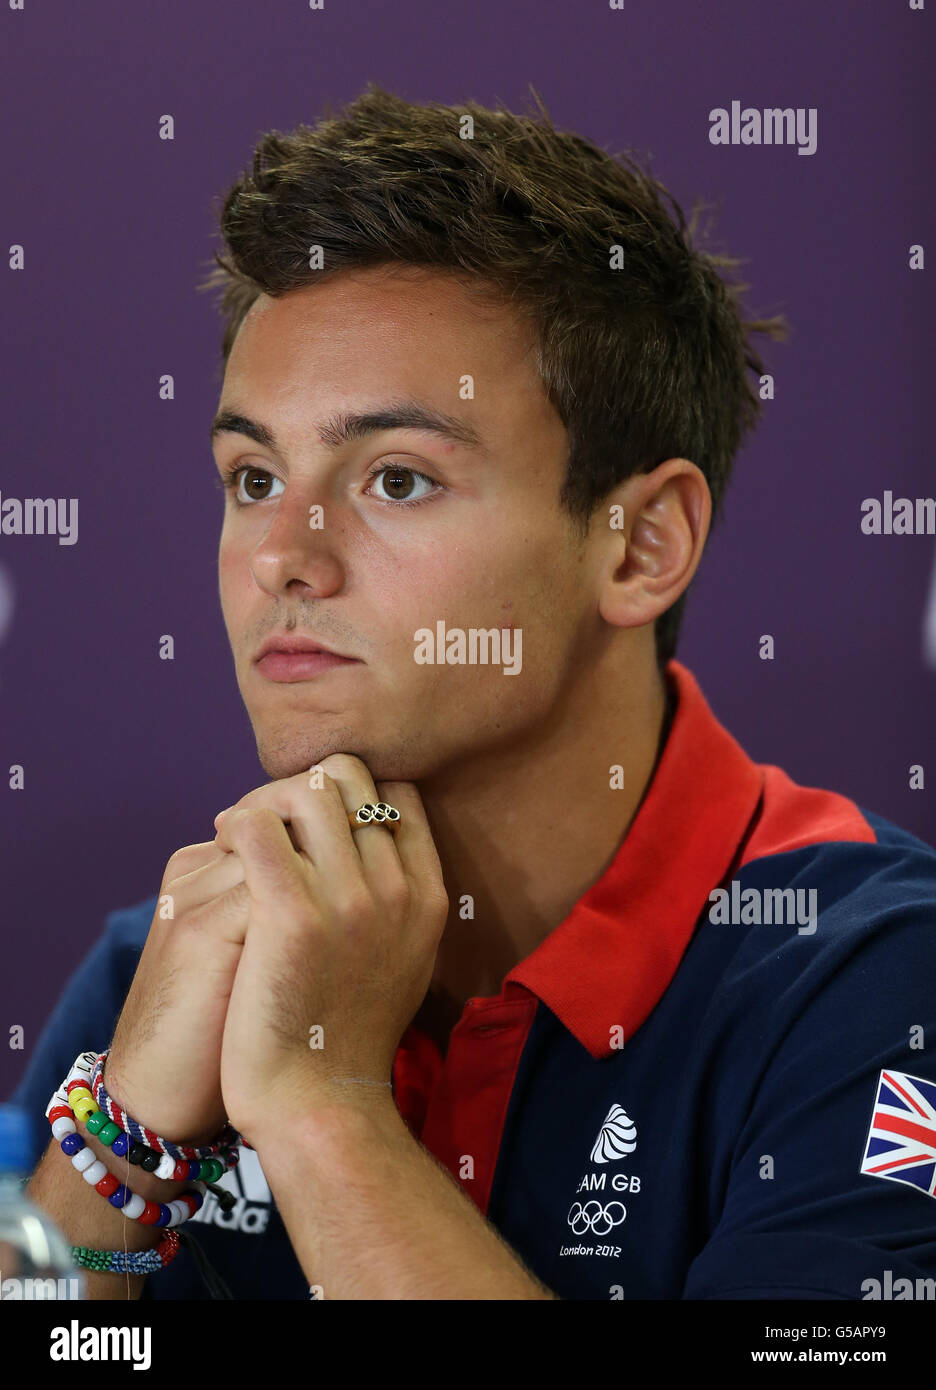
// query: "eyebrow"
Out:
[344,428]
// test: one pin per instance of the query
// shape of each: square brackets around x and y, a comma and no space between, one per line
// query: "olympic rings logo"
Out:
[595,1218]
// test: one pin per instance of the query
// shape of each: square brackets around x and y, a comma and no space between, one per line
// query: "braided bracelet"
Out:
[128,1261]
[109,1133]
[222,1150]
[95,1121]
[102,1180]
[162,1165]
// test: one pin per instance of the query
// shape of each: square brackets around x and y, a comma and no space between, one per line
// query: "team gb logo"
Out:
[617,1136]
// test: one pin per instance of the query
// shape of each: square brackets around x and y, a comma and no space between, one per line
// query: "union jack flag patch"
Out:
[901,1142]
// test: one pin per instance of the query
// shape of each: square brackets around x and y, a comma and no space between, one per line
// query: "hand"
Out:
[164,1065]
[342,932]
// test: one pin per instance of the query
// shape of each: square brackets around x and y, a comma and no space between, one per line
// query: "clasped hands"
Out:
[284,961]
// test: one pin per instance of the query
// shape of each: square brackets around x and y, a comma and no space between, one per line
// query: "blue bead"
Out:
[72,1144]
[194,1169]
[120,1197]
[121,1144]
[164,1217]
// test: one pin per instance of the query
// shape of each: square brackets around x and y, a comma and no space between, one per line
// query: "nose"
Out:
[298,548]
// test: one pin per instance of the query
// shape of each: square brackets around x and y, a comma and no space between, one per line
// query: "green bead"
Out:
[215,1170]
[108,1132]
[96,1122]
[92,1259]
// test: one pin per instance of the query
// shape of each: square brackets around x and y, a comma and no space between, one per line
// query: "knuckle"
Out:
[253,822]
[341,764]
[190,857]
[356,905]
[398,894]
[436,900]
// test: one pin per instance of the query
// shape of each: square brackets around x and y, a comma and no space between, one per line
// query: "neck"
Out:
[525,834]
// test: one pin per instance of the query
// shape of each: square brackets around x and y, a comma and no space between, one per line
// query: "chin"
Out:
[284,755]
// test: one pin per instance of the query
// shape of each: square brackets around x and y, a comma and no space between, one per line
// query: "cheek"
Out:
[234,578]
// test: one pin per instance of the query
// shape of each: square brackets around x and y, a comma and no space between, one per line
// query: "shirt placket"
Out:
[467,1108]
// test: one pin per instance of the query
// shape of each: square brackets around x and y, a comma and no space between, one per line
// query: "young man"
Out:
[611,1011]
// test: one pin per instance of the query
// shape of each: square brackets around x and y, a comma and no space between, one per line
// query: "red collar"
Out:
[607,965]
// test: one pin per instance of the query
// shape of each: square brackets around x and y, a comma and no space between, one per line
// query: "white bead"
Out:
[166,1167]
[83,1065]
[83,1159]
[179,1211]
[58,1098]
[134,1207]
[62,1126]
[95,1172]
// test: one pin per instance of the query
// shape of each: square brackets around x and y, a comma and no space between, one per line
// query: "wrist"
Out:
[317,1124]
[124,1095]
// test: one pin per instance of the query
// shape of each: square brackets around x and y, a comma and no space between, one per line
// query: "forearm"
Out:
[372,1215]
[86,1218]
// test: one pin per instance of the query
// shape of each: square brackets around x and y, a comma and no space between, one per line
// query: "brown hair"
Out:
[642,363]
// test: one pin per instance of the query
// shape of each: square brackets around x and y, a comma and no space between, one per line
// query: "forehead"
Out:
[383,331]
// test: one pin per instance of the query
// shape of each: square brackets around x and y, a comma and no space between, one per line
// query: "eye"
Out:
[399,487]
[252,485]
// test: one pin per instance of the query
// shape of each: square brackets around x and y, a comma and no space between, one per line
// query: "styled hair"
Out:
[643,363]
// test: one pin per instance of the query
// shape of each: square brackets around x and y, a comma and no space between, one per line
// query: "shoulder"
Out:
[827,915]
[862,871]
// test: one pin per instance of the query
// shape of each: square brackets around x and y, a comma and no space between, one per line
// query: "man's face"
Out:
[488,547]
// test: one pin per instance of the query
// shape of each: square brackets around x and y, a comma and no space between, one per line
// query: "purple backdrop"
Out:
[127,757]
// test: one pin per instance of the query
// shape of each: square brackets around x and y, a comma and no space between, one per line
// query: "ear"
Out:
[666,517]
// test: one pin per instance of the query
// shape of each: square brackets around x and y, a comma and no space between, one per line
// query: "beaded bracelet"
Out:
[102,1180]
[87,1069]
[162,1166]
[224,1149]
[129,1261]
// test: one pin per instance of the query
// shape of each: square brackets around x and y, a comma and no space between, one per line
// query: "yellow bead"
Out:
[76,1093]
[83,1107]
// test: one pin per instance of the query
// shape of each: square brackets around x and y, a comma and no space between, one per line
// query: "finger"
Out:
[204,886]
[272,869]
[374,844]
[413,838]
[315,817]
[190,857]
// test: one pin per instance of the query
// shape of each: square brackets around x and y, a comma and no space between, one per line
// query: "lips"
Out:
[291,645]
[287,659]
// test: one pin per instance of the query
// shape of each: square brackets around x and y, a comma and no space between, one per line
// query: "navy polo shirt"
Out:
[716,1078]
